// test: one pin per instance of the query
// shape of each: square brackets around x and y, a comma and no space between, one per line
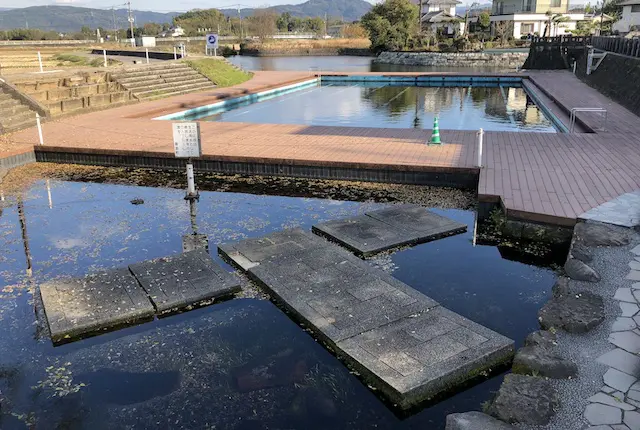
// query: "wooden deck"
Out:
[551,178]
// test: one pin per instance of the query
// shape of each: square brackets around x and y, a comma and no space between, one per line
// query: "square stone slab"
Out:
[401,341]
[102,301]
[388,228]
[187,279]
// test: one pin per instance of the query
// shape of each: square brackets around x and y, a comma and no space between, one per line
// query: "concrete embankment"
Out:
[446,59]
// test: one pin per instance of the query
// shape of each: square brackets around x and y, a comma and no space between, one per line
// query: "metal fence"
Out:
[562,40]
[619,45]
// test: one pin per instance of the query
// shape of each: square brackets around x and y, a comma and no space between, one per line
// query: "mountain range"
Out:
[70,18]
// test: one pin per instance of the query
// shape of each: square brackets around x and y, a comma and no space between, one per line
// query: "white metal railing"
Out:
[574,111]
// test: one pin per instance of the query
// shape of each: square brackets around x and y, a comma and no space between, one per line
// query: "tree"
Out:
[353,31]
[151,28]
[484,19]
[548,26]
[263,23]
[503,29]
[391,24]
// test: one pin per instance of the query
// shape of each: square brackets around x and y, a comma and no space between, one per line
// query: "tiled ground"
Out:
[543,177]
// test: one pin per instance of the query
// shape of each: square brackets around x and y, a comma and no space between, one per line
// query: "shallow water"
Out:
[238,364]
[388,106]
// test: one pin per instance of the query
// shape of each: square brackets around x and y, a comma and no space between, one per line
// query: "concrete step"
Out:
[152,86]
[173,88]
[15,126]
[150,71]
[13,109]
[7,101]
[12,121]
[178,92]
[171,75]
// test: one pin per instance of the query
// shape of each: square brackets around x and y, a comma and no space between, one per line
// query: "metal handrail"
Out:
[572,120]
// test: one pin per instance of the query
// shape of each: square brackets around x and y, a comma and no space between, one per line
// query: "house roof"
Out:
[628,2]
[438,16]
[438,2]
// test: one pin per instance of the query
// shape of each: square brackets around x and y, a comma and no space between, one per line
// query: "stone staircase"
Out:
[14,115]
[165,80]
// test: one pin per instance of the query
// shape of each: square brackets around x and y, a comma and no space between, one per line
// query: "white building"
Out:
[630,19]
[441,14]
[524,17]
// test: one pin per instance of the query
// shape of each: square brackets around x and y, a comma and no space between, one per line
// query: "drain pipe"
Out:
[480,135]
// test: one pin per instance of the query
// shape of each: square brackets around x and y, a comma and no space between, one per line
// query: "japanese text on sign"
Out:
[186,139]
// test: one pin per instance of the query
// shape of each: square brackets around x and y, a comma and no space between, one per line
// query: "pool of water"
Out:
[390,105]
[240,364]
[341,63]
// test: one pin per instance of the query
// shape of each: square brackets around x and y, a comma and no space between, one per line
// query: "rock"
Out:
[475,421]
[598,414]
[579,253]
[542,338]
[524,399]
[596,234]
[137,202]
[579,271]
[540,361]
[561,287]
[575,313]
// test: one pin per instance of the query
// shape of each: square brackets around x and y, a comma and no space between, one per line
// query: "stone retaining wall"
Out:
[509,60]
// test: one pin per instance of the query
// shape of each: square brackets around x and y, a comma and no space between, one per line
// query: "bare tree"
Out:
[263,23]
[503,30]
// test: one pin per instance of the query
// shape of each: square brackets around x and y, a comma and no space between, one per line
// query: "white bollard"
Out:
[40,62]
[175,53]
[39,128]
[575,64]
[104,54]
[146,50]
[191,183]
[480,135]
[215,52]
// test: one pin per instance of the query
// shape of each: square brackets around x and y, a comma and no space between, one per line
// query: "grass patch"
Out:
[220,72]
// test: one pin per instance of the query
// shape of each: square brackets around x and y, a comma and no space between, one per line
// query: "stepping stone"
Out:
[475,421]
[621,360]
[101,301]
[597,414]
[623,324]
[187,279]
[626,340]
[611,401]
[634,265]
[540,361]
[636,250]
[634,395]
[618,380]
[401,341]
[632,420]
[579,271]
[596,234]
[574,313]
[635,286]
[607,390]
[525,399]
[624,295]
[628,309]
[633,275]
[388,228]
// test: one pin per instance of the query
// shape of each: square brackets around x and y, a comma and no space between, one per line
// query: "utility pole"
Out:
[133,39]
[326,25]
[115,28]
[420,18]
[241,29]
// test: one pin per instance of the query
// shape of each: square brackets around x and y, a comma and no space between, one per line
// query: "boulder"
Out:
[579,271]
[580,253]
[540,361]
[597,234]
[475,421]
[575,313]
[542,338]
[524,399]
[561,287]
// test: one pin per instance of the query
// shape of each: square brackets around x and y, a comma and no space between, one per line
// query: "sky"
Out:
[153,5]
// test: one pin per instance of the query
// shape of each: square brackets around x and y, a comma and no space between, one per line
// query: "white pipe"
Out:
[39,128]
[104,53]
[480,135]
[191,183]
[146,50]
[175,53]
[40,62]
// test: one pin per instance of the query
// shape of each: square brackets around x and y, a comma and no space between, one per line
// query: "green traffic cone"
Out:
[435,134]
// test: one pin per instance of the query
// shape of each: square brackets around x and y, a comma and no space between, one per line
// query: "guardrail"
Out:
[619,45]
[45,42]
[562,40]
[574,111]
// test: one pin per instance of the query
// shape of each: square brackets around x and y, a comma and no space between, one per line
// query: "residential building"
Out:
[630,18]
[440,15]
[531,17]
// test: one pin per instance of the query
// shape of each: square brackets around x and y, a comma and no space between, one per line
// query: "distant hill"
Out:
[460,10]
[70,18]
[348,10]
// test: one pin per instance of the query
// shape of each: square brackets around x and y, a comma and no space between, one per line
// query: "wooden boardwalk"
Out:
[543,177]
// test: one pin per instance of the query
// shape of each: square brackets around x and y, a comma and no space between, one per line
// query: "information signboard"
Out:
[186,139]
